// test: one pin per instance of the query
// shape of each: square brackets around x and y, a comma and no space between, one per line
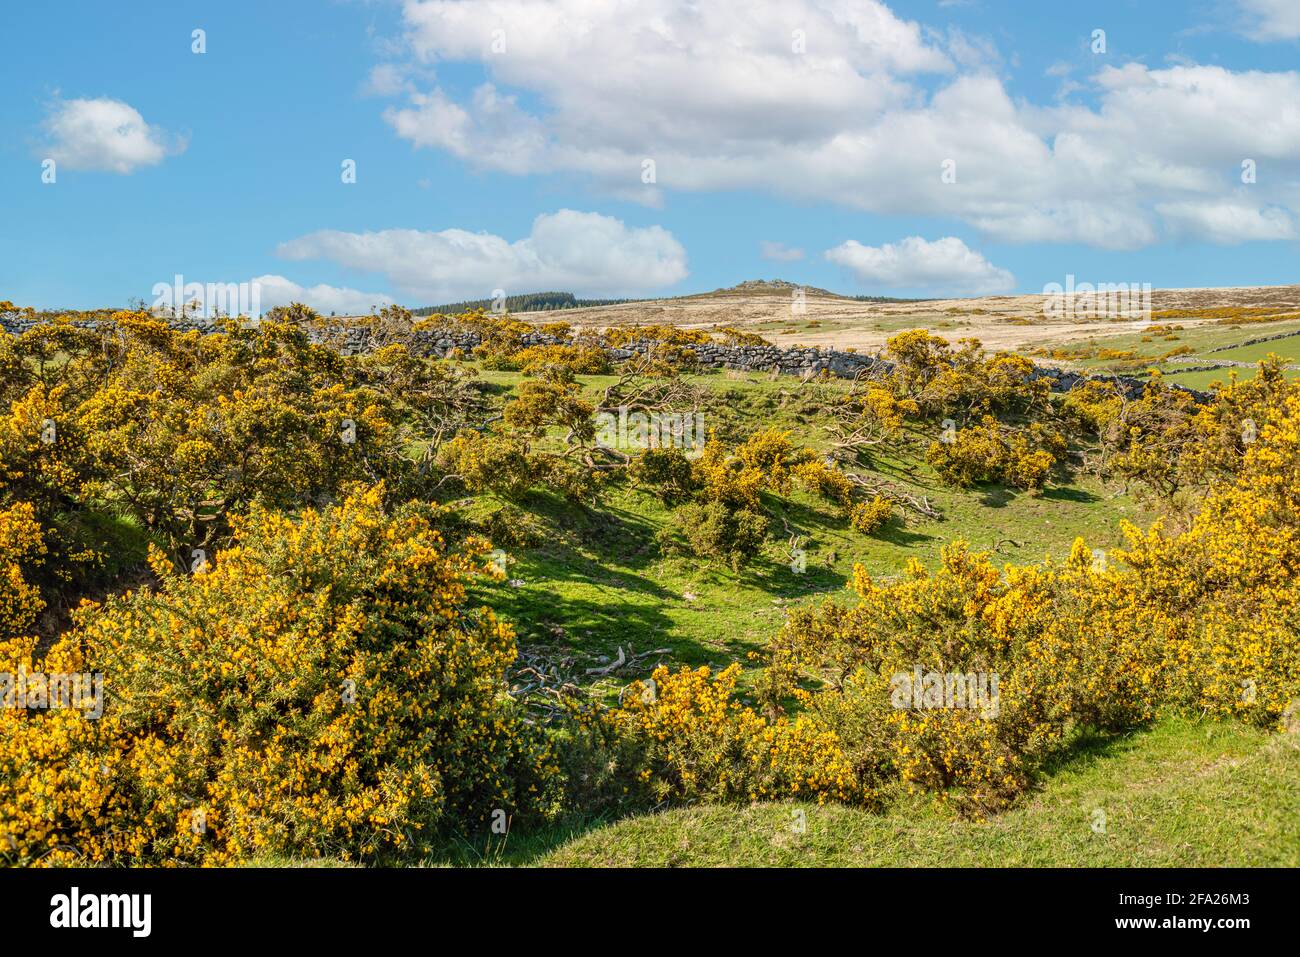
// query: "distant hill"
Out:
[554,301]
[759,286]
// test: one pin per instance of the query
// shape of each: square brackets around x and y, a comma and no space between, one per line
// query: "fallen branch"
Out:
[906,500]
[628,660]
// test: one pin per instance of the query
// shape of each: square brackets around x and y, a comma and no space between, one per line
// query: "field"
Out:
[1017,323]
[1178,793]
[596,582]
[373,607]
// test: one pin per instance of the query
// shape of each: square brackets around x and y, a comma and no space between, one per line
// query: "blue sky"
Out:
[503,145]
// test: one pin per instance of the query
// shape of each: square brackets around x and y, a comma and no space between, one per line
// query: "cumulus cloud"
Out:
[104,134]
[1228,222]
[946,265]
[779,252]
[586,253]
[867,116]
[1271,19]
[279,291]
[690,70]
[386,79]
[492,129]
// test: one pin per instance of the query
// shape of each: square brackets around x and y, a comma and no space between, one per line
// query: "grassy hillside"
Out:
[396,510]
[1183,793]
[1174,348]
[1177,793]
[593,579]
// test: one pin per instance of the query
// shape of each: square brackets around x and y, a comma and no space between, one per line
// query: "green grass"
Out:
[1183,793]
[1203,341]
[1288,350]
[1204,379]
[595,579]
[598,581]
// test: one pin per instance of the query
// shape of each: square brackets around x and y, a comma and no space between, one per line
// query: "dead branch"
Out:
[874,485]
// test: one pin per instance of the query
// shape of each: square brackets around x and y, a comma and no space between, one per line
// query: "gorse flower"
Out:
[322,688]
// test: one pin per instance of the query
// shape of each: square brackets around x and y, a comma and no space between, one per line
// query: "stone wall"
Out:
[795,360]
[1258,339]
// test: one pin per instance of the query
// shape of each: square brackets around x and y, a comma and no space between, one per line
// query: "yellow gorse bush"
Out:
[22,544]
[320,689]
[872,515]
[1204,621]
[692,740]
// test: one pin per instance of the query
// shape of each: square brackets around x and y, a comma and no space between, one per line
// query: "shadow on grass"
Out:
[895,533]
[590,577]
[996,496]
[521,846]
[1069,494]
[1088,747]
[810,521]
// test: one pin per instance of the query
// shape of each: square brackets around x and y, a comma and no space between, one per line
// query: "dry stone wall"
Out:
[791,360]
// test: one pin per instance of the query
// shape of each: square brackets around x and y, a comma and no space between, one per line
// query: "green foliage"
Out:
[871,516]
[667,470]
[1020,458]
[718,531]
[490,462]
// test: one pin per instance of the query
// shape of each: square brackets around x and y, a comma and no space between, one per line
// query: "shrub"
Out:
[559,329]
[691,740]
[654,332]
[772,455]
[321,689]
[1051,647]
[715,530]
[182,430]
[992,452]
[490,462]
[826,481]
[555,402]
[970,456]
[725,478]
[868,517]
[667,470]
[577,360]
[22,544]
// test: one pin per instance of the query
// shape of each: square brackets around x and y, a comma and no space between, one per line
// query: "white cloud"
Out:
[1228,222]
[655,77]
[586,253]
[386,79]
[779,252]
[493,129]
[104,134]
[279,291]
[946,265]
[721,102]
[1271,19]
